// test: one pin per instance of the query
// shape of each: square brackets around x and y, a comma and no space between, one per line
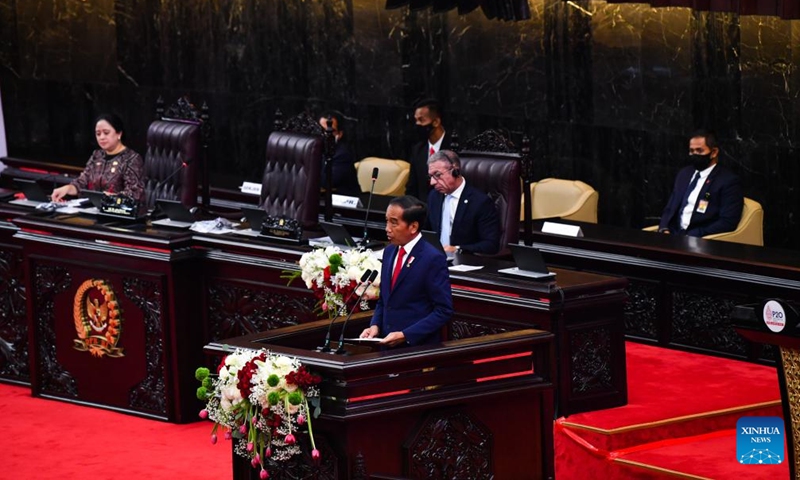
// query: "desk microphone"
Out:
[372,278]
[161,183]
[326,347]
[369,204]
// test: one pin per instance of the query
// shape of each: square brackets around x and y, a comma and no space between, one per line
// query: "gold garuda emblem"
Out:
[98,319]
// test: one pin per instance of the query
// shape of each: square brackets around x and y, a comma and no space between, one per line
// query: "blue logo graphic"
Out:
[759,440]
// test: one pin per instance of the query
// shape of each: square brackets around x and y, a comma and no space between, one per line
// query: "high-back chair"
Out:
[173,155]
[290,184]
[750,229]
[490,163]
[392,175]
[566,199]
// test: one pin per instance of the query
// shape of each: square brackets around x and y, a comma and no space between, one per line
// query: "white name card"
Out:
[251,188]
[345,201]
[562,229]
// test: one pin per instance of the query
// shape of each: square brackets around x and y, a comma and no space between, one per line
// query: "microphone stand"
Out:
[372,277]
[326,347]
[365,240]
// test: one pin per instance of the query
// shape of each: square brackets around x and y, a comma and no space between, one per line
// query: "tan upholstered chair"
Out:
[567,199]
[392,176]
[750,230]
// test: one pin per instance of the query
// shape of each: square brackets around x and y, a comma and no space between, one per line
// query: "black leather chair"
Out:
[290,185]
[173,155]
[489,163]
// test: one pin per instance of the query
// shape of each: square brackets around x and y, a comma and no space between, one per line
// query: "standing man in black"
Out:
[433,137]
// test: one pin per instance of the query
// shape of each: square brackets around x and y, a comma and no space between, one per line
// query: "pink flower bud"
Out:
[268,452]
[204,414]
[290,440]
[250,446]
[228,435]
[213,439]
[301,420]
[257,458]
[243,429]
[263,475]
[253,462]
[315,455]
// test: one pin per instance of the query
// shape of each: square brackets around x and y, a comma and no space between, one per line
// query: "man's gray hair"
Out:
[448,156]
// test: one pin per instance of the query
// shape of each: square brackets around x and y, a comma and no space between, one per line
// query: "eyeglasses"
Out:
[437,175]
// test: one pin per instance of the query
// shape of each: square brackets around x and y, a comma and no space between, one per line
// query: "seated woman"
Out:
[114,169]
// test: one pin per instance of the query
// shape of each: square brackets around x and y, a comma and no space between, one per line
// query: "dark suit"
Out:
[476,225]
[418,183]
[421,301]
[721,189]
[344,178]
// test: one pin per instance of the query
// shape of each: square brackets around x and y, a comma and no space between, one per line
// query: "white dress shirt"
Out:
[688,210]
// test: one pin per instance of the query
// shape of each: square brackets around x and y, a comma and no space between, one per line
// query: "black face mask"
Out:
[700,162]
[424,131]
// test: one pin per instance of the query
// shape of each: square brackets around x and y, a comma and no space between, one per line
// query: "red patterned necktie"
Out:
[432,152]
[398,265]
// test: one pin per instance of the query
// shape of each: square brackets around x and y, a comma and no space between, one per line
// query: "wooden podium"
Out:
[475,408]
[749,321]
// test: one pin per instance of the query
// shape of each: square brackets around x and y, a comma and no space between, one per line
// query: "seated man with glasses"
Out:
[465,218]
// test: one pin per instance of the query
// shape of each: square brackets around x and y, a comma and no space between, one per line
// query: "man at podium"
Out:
[415,297]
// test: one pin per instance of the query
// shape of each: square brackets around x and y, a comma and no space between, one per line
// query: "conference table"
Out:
[116,315]
[681,290]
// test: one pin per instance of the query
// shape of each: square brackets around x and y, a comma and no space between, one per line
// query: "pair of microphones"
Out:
[367,279]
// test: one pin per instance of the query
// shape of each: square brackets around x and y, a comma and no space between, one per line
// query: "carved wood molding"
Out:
[49,281]
[151,393]
[13,319]
[450,445]
[490,141]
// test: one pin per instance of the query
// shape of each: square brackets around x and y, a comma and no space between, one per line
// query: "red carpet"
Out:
[47,439]
[679,422]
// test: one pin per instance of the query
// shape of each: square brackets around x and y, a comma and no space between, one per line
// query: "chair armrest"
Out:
[651,228]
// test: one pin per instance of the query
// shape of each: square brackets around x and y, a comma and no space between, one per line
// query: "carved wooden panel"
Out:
[641,310]
[235,310]
[151,393]
[302,466]
[49,281]
[465,329]
[490,141]
[450,445]
[703,321]
[13,321]
[591,360]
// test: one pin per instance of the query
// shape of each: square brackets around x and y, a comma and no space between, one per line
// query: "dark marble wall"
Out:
[607,92]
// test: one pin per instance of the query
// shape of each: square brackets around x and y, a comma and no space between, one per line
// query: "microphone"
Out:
[326,347]
[174,172]
[372,278]
[365,240]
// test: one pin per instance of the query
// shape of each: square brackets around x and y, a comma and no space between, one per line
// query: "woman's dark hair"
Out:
[112,120]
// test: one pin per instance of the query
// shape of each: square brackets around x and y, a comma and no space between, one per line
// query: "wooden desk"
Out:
[682,289]
[180,290]
[481,413]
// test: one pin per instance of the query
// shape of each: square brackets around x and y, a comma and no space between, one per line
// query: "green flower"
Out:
[335,261]
[273,380]
[273,398]
[202,393]
[295,398]
[201,373]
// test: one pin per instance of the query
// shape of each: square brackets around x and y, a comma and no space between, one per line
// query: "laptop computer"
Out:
[34,193]
[433,238]
[178,215]
[254,216]
[340,236]
[530,263]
